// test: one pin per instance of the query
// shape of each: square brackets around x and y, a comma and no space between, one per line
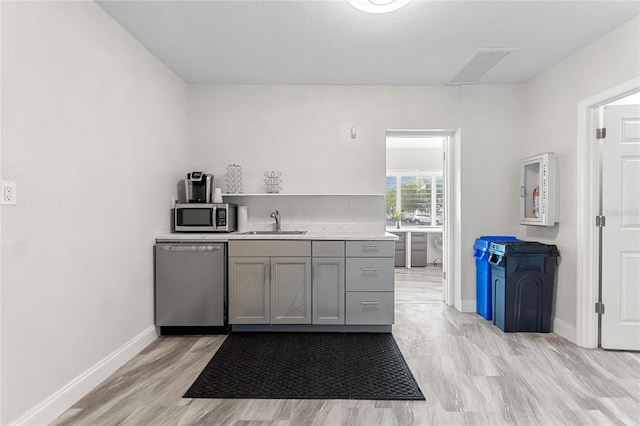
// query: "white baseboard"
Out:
[565,330]
[468,305]
[52,407]
[560,327]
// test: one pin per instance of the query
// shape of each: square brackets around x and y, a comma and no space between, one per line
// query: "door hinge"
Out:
[444,275]
[600,308]
[600,221]
[601,133]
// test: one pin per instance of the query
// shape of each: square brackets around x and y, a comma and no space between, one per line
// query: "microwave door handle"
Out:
[215,217]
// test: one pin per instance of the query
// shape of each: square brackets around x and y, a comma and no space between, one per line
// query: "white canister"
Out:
[243,217]
[217,195]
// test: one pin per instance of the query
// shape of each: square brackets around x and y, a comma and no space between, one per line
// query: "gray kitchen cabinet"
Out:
[400,249]
[269,282]
[290,290]
[328,282]
[419,249]
[249,290]
[370,282]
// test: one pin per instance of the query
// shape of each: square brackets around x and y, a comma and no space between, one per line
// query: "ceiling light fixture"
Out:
[378,6]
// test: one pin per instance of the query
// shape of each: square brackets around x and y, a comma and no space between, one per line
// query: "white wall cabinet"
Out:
[538,201]
[327,282]
[269,282]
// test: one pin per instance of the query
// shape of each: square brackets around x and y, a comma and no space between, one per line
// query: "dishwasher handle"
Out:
[195,248]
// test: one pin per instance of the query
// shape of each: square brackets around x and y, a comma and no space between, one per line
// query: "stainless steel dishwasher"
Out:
[191,288]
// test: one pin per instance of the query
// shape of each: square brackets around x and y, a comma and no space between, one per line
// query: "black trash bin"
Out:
[522,285]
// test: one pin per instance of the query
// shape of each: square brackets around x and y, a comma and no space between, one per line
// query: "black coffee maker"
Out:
[197,187]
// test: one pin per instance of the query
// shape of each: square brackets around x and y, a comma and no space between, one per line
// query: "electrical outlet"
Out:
[8,193]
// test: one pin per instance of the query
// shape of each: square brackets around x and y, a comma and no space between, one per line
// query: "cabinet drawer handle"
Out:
[369,269]
[370,303]
[370,246]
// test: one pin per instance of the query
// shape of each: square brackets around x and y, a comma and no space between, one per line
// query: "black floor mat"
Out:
[307,366]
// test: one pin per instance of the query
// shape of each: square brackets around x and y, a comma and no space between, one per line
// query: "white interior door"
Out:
[621,233]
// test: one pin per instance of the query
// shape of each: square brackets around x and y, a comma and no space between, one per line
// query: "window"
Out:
[416,195]
[415,184]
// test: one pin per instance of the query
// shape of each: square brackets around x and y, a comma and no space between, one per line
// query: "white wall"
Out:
[0,216]
[550,124]
[415,159]
[490,187]
[92,124]
[302,131]
[94,132]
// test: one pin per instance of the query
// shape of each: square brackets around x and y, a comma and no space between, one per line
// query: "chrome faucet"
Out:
[276,215]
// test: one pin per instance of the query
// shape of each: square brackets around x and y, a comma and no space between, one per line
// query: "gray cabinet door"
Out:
[291,290]
[249,290]
[400,249]
[328,290]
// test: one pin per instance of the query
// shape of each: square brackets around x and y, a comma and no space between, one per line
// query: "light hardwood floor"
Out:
[470,372]
[419,285]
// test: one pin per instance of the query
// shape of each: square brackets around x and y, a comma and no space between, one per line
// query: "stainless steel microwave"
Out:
[204,217]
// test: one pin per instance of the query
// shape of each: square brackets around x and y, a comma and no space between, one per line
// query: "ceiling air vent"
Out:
[479,64]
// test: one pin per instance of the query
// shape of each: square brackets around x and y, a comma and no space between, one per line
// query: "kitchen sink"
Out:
[274,233]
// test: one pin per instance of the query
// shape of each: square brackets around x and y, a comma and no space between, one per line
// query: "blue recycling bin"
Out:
[523,275]
[483,273]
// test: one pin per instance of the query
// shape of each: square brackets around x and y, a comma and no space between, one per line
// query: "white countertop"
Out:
[310,235]
[416,229]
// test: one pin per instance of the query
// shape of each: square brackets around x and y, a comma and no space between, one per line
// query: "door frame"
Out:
[451,232]
[587,209]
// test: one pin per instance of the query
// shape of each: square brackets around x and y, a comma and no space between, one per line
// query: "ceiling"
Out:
[330,42]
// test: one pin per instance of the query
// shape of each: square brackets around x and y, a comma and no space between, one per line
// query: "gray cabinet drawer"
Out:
[370,308]
[269,248]
[370,248]
[365,274]
[419,237]
[327,248]
[418,257]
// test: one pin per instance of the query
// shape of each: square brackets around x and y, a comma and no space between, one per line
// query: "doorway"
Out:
[595,249]
[416,211]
